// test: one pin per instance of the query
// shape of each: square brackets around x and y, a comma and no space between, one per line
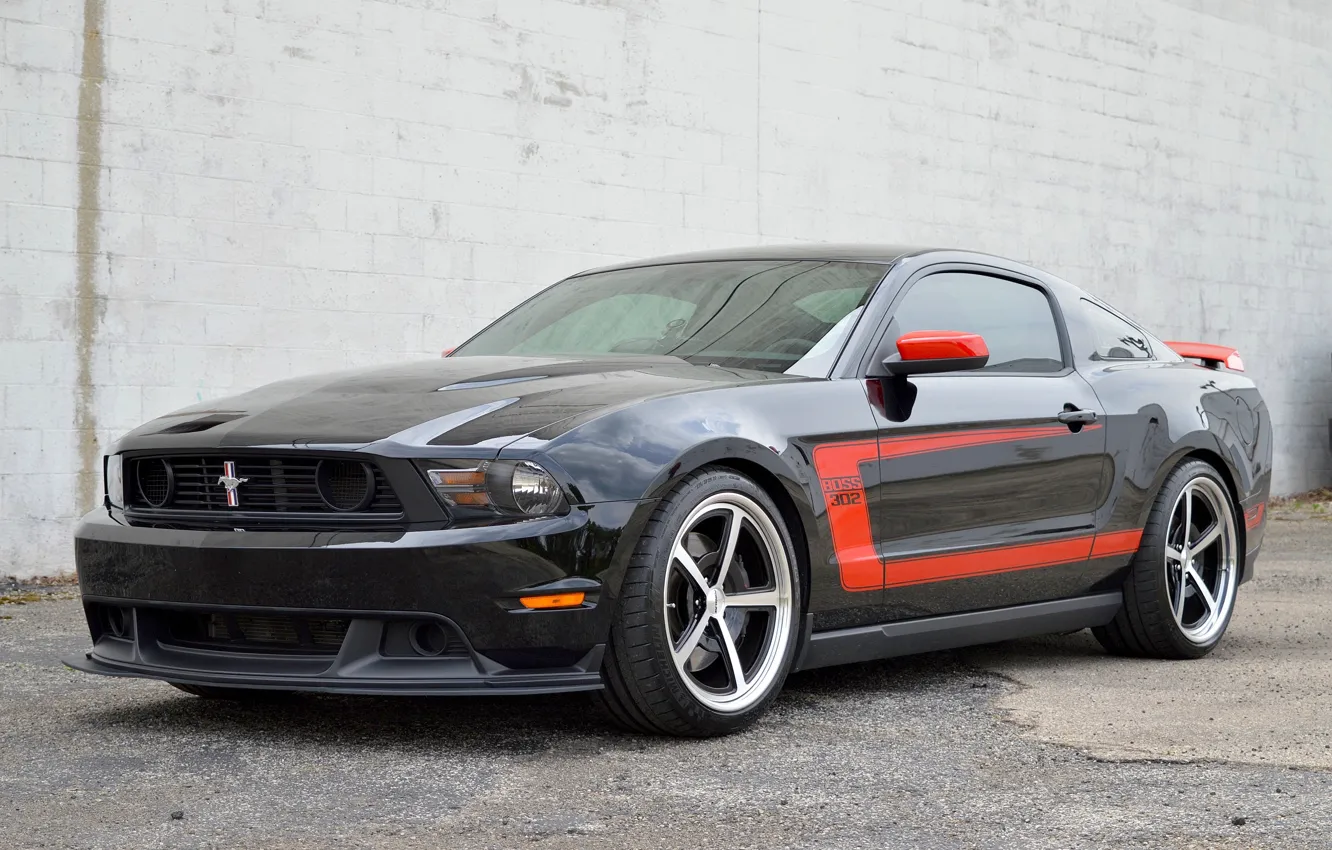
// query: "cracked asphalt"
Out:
[1030,744]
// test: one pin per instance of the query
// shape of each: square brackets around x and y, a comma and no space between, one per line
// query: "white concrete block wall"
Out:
[302,185]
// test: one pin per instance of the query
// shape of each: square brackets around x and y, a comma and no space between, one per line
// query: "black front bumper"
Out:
[360,665]
[466,579]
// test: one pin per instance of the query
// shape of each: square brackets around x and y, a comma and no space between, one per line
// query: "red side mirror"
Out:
[921,352]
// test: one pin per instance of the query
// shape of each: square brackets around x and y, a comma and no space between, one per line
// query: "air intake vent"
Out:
[256,632]
[155,481]
[345,485]
[196,425]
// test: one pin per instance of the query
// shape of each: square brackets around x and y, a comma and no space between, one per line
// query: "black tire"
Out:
[235,694]
[644,691]
[1145,626]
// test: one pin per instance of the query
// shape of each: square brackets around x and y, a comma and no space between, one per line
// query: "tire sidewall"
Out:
[681,503]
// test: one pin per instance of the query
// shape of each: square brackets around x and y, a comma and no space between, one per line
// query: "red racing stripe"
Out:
[838,468]
[984,562]
[1116,543]
[892,447]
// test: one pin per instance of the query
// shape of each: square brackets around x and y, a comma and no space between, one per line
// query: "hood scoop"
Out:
[201,424]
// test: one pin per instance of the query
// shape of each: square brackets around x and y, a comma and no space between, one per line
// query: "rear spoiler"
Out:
[1212,356]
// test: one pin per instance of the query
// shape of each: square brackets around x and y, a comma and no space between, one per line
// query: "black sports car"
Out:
[673,482]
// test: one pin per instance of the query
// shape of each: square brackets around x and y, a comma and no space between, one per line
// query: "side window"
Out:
[1015,319]
[1115,338]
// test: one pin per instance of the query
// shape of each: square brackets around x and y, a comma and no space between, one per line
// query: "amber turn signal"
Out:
[458,477]
[553,600]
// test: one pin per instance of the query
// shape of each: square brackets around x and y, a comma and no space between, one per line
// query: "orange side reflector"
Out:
[553,600]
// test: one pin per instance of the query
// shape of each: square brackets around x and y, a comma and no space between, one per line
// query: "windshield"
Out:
[773,316]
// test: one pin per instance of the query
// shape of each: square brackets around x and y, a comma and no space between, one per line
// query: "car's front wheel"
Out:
[707,620]
[1180,591]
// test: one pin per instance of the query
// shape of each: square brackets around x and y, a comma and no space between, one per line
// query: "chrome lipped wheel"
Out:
[727,602]
[1202,547]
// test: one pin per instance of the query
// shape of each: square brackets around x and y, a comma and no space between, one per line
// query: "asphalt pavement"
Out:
[1029,744]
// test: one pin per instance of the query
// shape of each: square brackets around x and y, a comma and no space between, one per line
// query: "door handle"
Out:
[1077,417]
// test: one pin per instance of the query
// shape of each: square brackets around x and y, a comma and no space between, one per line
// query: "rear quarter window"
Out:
[1114,338]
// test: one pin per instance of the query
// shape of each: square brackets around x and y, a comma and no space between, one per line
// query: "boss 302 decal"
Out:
[838,468]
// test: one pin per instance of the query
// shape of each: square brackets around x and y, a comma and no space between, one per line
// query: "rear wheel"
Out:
[706,626]
[1180,592]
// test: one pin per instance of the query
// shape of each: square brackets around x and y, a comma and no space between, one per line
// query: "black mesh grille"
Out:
[277,491]
[154,482]
[257,632]
[344,484]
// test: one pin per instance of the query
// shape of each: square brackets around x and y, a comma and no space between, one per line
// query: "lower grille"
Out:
[258,632]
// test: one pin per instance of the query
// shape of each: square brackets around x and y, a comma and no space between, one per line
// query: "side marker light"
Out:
[553,600]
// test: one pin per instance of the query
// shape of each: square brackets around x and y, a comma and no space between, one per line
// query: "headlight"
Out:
[115,482]
[486,489]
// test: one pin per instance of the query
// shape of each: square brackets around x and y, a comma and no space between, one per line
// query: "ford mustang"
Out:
[673,482]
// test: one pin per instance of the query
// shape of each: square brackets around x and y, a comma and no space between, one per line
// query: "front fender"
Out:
[640,453]
[727,451]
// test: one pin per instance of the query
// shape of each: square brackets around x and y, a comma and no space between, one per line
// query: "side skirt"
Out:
[928,634]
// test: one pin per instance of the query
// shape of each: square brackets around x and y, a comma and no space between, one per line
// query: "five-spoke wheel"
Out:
[727,603]
[1200,560]
[705,631]
[1180,591]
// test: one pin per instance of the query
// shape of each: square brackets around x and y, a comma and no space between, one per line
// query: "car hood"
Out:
[486,402]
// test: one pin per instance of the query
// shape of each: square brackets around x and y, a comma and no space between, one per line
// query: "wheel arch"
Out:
[786,505]
[772,473]
[1215,460]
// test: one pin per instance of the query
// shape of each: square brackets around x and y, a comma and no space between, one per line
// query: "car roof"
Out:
[858,253]
[855,253]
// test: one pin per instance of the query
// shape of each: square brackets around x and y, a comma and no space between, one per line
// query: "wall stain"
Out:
[565,86]
[88,305]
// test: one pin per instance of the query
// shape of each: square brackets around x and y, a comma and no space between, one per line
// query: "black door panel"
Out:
[977,482]
[988,480]
[952,493]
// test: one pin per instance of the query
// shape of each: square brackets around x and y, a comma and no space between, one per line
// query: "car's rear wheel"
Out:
[1180,592]
[706,626]
[238,694]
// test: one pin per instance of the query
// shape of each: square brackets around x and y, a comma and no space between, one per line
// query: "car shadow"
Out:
[532,724]
[515,724]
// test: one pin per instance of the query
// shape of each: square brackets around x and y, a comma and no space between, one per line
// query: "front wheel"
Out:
[1180,592]
[706,627]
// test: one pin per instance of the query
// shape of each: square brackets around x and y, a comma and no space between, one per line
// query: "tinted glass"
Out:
[1015,319]
[772,316]
[1115,338]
